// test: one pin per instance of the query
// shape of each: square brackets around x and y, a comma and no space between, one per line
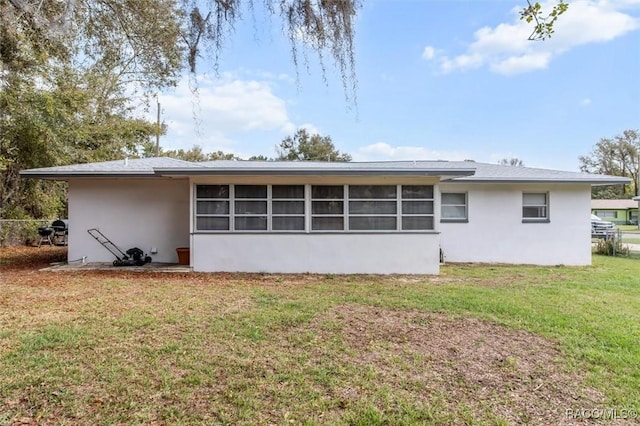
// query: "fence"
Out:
[15,232]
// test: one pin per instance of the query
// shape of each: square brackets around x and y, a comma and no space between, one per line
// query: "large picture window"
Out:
[323,208]
[535,207]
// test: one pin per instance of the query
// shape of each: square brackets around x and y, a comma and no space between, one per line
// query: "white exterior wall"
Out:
[340,253]
[495,232]
[141,213]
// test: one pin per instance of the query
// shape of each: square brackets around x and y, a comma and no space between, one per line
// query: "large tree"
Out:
[67,69]
[150,39]
[305,147]
[60,118]
[617,156]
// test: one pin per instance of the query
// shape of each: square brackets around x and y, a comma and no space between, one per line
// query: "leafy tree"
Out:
[150,40]
[617,156]
[55,121]
[259,158]
[543,24]
[197,154]
[511,162]
[305,147]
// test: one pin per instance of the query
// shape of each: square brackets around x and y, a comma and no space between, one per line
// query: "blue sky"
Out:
[448,80]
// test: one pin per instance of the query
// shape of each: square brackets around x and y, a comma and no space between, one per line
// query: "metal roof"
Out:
[231,167]
[458,171]
[496,173]
[117,168]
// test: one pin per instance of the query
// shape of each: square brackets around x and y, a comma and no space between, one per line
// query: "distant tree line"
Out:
[617,156]
[32,198]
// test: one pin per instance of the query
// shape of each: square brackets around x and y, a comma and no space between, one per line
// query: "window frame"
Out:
[547,208]
[425,203]
[609,214]
[464,219]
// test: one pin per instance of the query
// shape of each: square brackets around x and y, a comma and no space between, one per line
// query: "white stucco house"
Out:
[319,217]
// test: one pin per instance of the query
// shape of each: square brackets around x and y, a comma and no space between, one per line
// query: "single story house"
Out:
[623,212]
[321,217]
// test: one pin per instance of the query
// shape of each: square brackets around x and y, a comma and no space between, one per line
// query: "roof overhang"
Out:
[318,171]
[64,175]
[592,182]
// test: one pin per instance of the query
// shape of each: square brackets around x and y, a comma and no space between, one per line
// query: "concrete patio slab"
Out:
[106,266]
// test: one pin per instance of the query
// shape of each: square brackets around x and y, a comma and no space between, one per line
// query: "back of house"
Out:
[296,217]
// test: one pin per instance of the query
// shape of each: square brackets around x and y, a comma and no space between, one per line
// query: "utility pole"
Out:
[158,131]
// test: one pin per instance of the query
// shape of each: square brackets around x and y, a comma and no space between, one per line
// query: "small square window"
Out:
[453,207]
[535,207]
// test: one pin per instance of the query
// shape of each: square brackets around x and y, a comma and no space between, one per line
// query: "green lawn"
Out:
[629,229]
[475,345]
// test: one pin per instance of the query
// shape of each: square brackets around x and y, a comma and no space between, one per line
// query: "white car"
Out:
[601,228]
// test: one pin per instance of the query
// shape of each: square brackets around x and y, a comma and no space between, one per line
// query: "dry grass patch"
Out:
[462,362]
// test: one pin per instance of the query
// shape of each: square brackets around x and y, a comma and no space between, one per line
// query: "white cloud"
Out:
[382,151]
[310,128]
[585,102]
[220,110]
[505,49]
[429,53]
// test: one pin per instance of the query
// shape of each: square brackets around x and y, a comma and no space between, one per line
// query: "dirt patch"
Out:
[464,362]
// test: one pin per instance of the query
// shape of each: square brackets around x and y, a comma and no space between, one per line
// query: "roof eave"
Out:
[68,175]
[562,181]
[451,173]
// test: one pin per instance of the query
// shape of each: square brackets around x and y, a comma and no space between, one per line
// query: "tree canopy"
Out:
[305,147]
[68,69]
[617,156]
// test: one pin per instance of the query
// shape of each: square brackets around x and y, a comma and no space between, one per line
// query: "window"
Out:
[607,213]
[250,208]
[417,207]
[535,207]
[327,208]
[372,207]
[212,207]
[453,207]
[287,207]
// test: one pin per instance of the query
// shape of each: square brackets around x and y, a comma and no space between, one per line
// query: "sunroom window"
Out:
[373,207]
[250,208]
[327,208]
[212,207]
[417,207]
[287,207]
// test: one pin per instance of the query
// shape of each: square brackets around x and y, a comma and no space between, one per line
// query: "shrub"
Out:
[612,246]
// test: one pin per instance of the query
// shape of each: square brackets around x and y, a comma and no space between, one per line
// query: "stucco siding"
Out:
[317,253]
[495,232]
[141,213]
